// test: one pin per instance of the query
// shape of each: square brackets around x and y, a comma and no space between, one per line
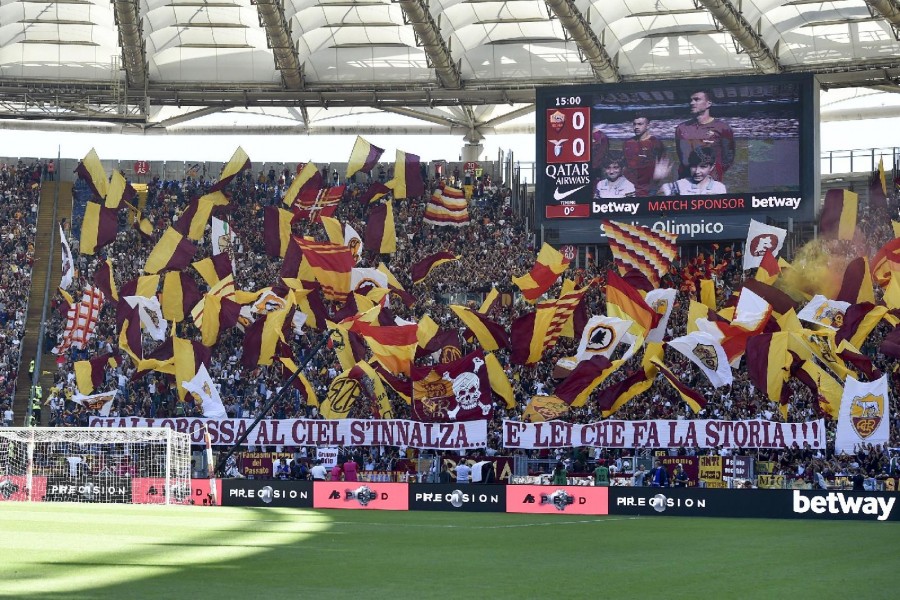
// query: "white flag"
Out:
[68,265]
[751,311]
[203,387]
[662,302]
[601,335]
[364,279]
[703,350]
[822,311]
[101,402]
[762,237]
[151,315]
[353,241]
[863,416]
[223,239]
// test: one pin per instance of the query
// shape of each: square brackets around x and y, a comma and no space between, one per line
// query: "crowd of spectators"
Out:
[492,248]
[20,189]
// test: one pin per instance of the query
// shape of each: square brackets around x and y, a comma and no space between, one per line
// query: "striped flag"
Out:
[192,222]
[856,285]
[90,374]
[490,335]
[276,230]
[634,246]
[98,228]
[584,379]
[392,346]
[528,334]
[239,162]
[215,268]
[179,295]
[878,189]
[423,268]
[104,280]
[624,302]
[407,181]
[331,265]
[838,217]
[304,188]
[691,396]
[859,321]
[363,157]
[91,170]
[262,336]
[886,262]
[172,252]
[825,388]
[380,234]
[549,266]
[768,364]
[119,191]
[447,206]
[188,356]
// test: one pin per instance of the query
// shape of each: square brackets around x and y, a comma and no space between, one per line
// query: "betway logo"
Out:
[775,202]
[616,207]
[837,503]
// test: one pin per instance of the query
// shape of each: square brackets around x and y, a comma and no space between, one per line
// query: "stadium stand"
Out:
[494,246]
[20,188]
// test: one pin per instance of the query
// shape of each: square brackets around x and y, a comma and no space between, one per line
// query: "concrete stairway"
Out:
[58,195]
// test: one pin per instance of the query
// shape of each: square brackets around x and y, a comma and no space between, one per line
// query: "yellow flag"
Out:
[499,381]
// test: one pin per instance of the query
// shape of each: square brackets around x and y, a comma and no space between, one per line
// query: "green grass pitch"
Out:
[129,552]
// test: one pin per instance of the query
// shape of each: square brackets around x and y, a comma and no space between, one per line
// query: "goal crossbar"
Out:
[86,464]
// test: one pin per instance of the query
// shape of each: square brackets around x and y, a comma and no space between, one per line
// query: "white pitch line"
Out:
[513,526]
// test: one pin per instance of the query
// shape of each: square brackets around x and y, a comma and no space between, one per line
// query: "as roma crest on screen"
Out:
[866,413]
[706,354]
[455,391]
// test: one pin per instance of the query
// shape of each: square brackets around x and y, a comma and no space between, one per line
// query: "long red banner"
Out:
[695,433]
[466,435]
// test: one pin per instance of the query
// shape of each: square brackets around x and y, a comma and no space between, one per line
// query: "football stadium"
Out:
[635,333]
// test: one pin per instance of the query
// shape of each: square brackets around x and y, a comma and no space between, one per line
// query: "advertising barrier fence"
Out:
[559,499]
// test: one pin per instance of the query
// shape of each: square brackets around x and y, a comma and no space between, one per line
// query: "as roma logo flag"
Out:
[456,391]
[861,418]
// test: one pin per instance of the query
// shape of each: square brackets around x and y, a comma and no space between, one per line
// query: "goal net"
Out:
[82,464]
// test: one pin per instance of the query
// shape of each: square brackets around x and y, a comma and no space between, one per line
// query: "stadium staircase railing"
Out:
[54,195]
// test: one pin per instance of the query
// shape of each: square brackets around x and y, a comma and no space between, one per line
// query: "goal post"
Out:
[129,465]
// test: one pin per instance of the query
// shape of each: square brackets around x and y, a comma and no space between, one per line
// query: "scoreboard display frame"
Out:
[636,152]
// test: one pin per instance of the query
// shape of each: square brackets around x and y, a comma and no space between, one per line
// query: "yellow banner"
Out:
[710,471]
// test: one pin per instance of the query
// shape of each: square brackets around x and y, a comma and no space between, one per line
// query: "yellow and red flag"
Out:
[549,266]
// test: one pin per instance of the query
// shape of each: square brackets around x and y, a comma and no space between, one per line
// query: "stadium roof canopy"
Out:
[462,66]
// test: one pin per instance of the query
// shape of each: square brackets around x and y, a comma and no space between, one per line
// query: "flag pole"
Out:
[220,465]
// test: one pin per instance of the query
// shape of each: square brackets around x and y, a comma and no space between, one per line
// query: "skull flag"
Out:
[454,391]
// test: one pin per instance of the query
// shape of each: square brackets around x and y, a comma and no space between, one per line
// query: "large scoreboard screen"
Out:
[686,154]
